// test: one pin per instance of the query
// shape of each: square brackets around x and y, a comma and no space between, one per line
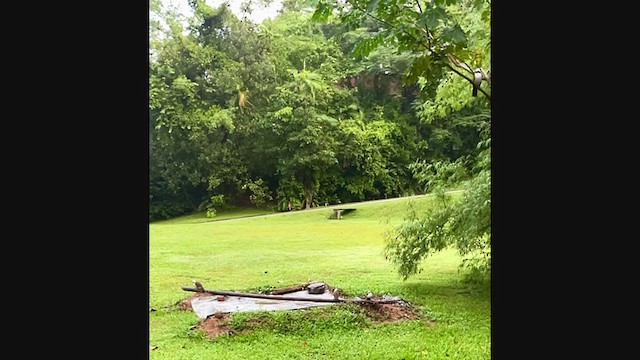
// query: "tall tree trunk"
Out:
[309,184]
[307,199]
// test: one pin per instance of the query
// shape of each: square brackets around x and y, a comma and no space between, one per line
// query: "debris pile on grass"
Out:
[220,323]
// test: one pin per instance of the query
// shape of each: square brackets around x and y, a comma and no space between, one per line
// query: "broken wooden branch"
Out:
[290,298]
[260,296]
[289,289]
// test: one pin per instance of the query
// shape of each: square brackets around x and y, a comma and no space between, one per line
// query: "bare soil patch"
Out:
[385,313]
[214,326]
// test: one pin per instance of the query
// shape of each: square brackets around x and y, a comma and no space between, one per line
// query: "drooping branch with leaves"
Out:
[431,29]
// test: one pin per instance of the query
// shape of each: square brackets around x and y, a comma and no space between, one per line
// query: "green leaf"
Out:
[454,35]
[478,3]
[365,47]
[372,6]
[420,67]
[283,113]
[431,18]
[327,118]
[322,13]
[486,14]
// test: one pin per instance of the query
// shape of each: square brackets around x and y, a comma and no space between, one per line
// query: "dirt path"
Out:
[337,206]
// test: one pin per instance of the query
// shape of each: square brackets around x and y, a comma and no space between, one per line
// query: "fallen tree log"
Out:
[290,298]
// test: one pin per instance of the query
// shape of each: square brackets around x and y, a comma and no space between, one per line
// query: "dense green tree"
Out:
[308,134]
[192,82]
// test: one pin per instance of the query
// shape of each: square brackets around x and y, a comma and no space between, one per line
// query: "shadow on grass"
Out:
[419,291]
[455,303]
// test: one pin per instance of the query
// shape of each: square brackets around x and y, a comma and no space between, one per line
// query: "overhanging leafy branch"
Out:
[436,15]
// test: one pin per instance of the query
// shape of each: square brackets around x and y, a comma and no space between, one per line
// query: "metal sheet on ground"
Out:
[209,305]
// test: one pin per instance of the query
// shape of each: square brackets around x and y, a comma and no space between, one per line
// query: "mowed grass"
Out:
[297,247]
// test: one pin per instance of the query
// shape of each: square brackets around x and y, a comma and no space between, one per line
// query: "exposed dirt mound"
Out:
[381,313]
[215,326]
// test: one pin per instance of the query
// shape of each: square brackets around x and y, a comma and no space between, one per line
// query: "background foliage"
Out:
[330,102]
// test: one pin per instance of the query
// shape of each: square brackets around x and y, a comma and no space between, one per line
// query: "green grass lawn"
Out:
[297,247]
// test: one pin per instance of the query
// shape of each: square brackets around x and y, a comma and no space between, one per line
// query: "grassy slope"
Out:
[302,246]
[201,217]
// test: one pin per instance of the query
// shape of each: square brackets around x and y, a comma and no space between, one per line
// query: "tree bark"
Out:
[307,200]
[287,290]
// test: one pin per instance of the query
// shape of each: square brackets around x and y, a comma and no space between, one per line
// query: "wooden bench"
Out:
[338,213]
